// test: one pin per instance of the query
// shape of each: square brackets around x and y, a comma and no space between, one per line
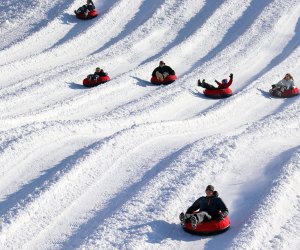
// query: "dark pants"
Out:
[208,86]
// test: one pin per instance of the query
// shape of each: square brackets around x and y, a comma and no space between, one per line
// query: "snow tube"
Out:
[286,94]
[208,227]
[169,79]
[218,93]
[91,83]
[91,14]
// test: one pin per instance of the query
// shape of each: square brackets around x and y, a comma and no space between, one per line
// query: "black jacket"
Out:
[101,73]
[211,205]
[89,7]
[163,69]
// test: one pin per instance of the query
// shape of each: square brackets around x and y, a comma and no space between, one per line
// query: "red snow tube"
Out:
[218,93]
[91,14]
[90,83]
[169,79]
[286,94]
[209,227]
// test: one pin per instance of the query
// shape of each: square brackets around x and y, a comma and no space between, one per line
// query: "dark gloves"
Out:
[220,217]
[231,75]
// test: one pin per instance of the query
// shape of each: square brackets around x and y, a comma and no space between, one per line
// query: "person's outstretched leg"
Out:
[194,221]
[159,76]
[205,85]
[199,217]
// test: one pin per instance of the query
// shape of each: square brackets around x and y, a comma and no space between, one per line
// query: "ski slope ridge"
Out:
[112,167]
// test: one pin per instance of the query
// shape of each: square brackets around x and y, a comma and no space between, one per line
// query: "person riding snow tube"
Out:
[284,88]
[163,74]
[86,11]
[210,227]
[222,91]
[208,215]
[97,78]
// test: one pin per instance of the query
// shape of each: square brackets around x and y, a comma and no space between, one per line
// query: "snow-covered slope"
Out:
[113,166]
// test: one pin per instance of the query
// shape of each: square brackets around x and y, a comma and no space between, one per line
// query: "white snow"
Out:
[112,167]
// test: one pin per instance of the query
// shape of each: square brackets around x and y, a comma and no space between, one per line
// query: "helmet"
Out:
[224,81]
[98,68]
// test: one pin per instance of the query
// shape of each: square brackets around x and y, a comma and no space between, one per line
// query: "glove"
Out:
[220,217]
[231,75]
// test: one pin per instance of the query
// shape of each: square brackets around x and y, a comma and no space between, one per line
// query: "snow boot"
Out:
[194,221]
[182,218]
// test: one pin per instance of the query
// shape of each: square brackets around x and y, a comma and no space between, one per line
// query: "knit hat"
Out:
[210,188]
[224,81]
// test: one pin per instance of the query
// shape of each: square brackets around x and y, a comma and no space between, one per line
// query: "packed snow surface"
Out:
[111,167]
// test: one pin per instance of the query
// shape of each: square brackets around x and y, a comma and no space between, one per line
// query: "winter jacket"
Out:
[163,69]
[226,85]
[210,204]
[287,84]
[101,73]
[90,6]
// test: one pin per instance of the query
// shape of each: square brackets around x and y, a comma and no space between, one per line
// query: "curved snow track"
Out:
[113,166]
